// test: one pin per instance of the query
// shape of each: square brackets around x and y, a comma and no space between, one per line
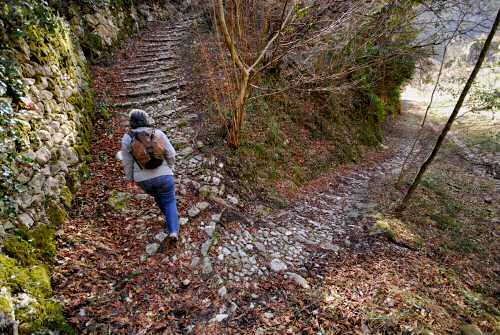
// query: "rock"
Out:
[68,156]
[268,315]
[25,220]
[195,261]
[232,199]
[205,247]
[183,221]
[277,265]
[186,151]
[43,155]
[220,317]
[382,227]
[262,210]
[161,236]
[232,308]
[206,266]
[470,329]
[118,200]
[202,205]
[209,230]
[389,302]
[216,181]
[330,246]
[59,166]
[216,217]
[299,280]
[45,95]
[261,247]
[7,326]
[44,135]
[205,192]
[141,196]
[222,291]
[194,211]
[152,248]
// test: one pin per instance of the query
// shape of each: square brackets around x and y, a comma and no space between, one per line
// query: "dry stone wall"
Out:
[46,116]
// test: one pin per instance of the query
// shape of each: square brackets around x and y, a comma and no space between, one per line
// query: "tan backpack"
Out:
[147,149]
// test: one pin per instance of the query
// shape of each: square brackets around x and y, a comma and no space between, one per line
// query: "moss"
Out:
[383,227]
[56,214]
[66,197]
[104,114]
[83,172]
[40,276]
[118,200]
[5,301]
[42,239]
[41,312]
[42,315]
[5,306]
[93,44]
[73,181]
[20,249]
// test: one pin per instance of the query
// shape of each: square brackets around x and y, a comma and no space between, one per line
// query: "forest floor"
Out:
[335,260]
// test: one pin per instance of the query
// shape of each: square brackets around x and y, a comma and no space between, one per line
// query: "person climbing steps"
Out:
[148,161]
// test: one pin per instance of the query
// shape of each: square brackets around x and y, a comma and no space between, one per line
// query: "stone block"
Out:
[25,220]
[43,155]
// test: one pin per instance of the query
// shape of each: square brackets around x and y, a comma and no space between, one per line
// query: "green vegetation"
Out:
[39,311]
[11,133]
[56,214]
[302,119]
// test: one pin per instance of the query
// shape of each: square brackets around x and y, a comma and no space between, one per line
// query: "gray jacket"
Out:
[134,173]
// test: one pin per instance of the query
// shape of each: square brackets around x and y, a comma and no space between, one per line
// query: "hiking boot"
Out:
[169,243]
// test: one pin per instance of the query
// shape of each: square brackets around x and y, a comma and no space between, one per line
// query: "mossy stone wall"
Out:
[46,120]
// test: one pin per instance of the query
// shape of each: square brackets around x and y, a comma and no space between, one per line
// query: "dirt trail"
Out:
[235,263]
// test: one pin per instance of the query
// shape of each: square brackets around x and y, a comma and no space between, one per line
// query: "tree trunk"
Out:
[453,116]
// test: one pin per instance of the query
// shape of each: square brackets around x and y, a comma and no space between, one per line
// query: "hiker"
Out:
[148,159]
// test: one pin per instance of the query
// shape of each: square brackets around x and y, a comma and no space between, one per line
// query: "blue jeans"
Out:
[162,189]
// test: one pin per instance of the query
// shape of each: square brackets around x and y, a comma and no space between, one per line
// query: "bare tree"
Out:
[318,46]
[453,115]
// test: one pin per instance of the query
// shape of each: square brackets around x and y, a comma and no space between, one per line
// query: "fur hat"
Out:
[139,118]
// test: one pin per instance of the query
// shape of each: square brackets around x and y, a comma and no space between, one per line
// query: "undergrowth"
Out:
[453,220]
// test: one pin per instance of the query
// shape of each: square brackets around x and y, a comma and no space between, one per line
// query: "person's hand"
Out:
[133,185]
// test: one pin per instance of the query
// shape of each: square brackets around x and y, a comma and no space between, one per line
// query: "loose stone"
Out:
[152,248]
[277,265]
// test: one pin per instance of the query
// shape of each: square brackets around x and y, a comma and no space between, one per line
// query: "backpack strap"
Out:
[132,136]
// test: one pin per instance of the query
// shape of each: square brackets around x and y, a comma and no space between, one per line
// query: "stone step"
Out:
[151,82]
[154,77]
[138,86]
[161,39]
[154,53]
[146,71]
[151,100]
[159,42]
[170,36]
[166,34]
[153,66]
[168,113]
[157,59]
[156,49]
[152,90]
